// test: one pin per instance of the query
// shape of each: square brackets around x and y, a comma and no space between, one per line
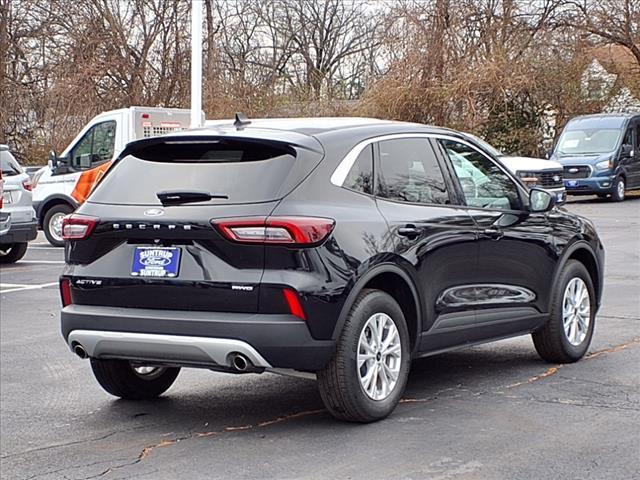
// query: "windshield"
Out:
[586,141]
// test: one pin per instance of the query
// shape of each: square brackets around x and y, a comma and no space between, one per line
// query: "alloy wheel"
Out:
[147,372]
[379,356]
[55,226]
[620,188]
[576,311]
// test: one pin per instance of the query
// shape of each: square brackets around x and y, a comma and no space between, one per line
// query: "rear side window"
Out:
[246,172]
[360,177]
[409,172]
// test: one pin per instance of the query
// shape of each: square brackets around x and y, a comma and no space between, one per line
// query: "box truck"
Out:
[67,180]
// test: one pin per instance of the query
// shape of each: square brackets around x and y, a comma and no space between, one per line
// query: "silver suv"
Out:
[19,218]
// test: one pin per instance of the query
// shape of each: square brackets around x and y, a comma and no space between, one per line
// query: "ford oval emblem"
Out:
[573,170]
[556,178]
[156,257]
[154,212]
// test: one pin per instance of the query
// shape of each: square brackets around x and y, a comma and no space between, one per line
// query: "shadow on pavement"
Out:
[248,402]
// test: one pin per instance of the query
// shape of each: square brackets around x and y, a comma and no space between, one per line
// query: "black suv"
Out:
[337,247]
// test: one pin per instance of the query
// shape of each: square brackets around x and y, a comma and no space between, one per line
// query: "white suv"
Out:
[18,218]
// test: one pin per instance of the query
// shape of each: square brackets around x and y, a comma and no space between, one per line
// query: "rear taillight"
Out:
[301,231]
[27,185]
[77,227]
[295,308]
[65,291]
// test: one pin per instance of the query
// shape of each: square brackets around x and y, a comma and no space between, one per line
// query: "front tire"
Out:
[619,187]
[366,378]
[52,223]
[12,252]
[122,379]
[566,336]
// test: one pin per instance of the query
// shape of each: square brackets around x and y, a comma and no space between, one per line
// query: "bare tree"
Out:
[325,34]
[611,21]
[489,66]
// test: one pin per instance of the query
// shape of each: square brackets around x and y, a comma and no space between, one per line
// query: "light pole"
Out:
[196,63]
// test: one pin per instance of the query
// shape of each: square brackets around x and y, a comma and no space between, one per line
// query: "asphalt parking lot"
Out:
[495,411]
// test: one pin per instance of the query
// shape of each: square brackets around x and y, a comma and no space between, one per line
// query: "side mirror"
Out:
[59,165]
[540,200]
[53,159]
[626,151]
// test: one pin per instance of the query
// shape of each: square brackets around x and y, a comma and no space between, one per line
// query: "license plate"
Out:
[156,262]
[571,183]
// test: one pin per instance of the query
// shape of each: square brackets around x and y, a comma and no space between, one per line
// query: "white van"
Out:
[61,186]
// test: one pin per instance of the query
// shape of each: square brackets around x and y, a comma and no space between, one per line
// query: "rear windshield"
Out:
[244,172]
[9,164]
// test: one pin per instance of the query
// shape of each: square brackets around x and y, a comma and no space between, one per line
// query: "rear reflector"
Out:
[77,227]
[302,231]
[65,291]
[294,303]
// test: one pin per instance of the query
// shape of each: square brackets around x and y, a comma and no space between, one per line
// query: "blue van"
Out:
[600,154]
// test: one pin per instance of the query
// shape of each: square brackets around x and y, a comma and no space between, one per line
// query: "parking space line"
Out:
[44,248]
[58,262]
[18,287]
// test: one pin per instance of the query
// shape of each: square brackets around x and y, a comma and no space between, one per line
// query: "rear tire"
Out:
[564,338]
[343,382]
[12,252]
[618,191]
[51,225]
[119,378]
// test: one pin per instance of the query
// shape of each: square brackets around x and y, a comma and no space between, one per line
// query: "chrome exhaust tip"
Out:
[241,363]
[80,351]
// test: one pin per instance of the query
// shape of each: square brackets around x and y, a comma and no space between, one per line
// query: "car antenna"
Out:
[241,121]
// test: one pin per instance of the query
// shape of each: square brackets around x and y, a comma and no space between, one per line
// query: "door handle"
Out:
[409,231]
[493,233]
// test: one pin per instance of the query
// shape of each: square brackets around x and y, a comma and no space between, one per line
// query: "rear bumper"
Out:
[190,338]
[5,222]
[20,232]
[164,348]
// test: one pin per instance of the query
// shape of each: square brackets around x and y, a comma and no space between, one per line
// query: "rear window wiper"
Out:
[177,197]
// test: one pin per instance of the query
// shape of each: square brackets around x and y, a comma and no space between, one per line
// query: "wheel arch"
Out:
[396,282]
[51,201]
[583,252]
